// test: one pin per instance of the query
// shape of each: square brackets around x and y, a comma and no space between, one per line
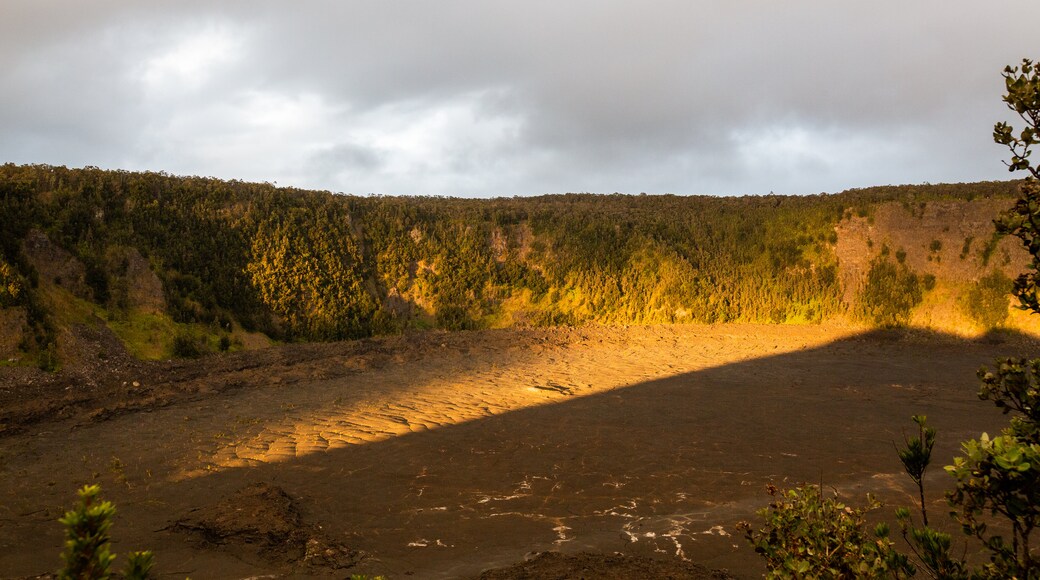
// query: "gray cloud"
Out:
[479,98]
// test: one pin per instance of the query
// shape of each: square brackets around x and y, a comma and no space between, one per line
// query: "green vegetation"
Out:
[1001,476]
[996,479]
[808,535]
[147,336]
[1023,220]
[88,554]
[966,248]
[306,265]
[986,302]
[915,456]
[928,282]
[186,346]
[890,294]
[10,285]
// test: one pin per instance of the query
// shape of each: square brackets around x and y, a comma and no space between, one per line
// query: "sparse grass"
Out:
[147,336]
[18,361]
[150,336]
[66,308]
[249,421]
[118,470]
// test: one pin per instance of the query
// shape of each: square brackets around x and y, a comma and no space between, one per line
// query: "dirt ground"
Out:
[440,455]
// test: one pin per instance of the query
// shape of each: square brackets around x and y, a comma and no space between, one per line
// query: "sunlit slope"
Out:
[181,265]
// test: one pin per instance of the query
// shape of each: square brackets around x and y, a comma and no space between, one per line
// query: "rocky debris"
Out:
[265,519]
[258,514]
[555,387]
[93,350]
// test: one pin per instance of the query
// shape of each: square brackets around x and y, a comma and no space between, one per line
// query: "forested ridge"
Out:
[310,265]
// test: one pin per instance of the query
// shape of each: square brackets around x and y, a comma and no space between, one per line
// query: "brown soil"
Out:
[590,565]
[262,519]
[444,455]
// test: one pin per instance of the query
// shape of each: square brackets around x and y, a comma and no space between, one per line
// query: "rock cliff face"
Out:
[82,340]
[134,283]
[952,241]
[56,265]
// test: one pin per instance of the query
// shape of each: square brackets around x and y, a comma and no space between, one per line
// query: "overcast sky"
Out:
[481,98]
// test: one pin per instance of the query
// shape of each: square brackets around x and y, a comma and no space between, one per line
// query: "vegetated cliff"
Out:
[181,265]
[964,270]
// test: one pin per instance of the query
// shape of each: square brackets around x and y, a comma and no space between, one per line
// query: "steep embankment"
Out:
[180,265]
[962,267]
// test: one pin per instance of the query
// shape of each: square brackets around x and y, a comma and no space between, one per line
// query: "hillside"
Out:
[175,266]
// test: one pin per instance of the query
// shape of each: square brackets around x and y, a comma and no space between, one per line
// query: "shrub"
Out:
[890,294]
[185,346]
[928,281]
[87,552]
[986,303]
[807,535]
[966,248]
[1001,476]
[454,317]
[995,477]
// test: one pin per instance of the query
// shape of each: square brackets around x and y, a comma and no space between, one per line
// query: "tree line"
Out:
[312,265]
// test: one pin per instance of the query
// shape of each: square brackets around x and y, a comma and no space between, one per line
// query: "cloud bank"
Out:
[487,99]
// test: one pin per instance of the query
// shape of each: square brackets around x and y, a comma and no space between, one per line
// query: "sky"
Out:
[481,99]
